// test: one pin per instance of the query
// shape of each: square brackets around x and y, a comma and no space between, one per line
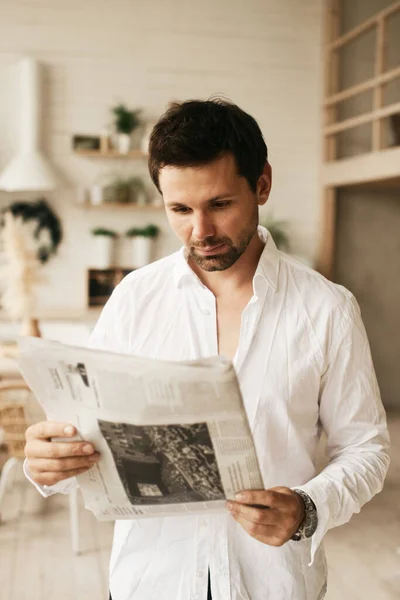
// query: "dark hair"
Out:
[197,132]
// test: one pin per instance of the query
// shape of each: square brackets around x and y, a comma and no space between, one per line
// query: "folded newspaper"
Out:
[173,436]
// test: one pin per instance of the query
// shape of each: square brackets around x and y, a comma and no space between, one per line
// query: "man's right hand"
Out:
[50,462]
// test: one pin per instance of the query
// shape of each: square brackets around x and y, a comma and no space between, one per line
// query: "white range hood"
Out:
[30,170]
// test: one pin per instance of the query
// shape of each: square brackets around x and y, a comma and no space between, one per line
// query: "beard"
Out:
[222,260]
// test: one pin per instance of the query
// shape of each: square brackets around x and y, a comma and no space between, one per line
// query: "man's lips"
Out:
[210,250]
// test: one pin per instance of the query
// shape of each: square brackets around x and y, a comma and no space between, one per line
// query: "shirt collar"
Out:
[267,268]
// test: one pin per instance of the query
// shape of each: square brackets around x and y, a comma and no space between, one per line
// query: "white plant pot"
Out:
[96,194]
[144,143]
[104,251]
[124,143]
[142,249]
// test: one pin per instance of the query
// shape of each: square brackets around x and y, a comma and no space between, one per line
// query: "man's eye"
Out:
[221,204]
[180,209]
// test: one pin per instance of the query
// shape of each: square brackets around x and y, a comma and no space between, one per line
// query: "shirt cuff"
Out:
[62,487]
[319,490]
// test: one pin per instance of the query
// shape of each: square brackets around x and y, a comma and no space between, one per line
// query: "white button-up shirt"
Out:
[304,364]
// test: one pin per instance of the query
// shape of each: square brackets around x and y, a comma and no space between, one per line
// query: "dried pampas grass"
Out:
[20,274]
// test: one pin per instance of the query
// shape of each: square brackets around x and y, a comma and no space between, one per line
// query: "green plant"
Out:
[46,221]
[124,190]
[125,120]
[102,231]
[136,184]
[151,231]
[278,231]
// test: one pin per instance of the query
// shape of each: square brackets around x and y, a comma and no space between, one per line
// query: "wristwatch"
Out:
[309,524]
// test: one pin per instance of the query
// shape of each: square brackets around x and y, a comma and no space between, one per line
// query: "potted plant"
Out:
[142,244]
[278,231]
[105,239]
[125,121]
[137,190]
[145,141]
[124,190]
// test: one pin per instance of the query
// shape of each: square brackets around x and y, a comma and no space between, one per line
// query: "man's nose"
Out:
[203,227]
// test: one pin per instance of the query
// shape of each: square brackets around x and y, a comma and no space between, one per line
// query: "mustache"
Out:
[210,244]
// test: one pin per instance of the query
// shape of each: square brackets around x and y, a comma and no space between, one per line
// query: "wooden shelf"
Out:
[110,154]
[123,206]
[367,168]
[113,268]
[101,283]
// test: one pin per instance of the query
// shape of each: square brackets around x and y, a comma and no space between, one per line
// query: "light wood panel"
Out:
[381,163]
[37,562]
[326,256]
[370,167]
[380,64]
[365,26]
[379,80]
[373,116]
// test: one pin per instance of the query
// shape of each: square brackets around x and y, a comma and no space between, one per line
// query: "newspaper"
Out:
[173,436]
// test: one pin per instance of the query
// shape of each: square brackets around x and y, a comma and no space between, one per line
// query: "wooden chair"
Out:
[18,410]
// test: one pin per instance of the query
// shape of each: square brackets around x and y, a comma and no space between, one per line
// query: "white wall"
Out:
[265,55]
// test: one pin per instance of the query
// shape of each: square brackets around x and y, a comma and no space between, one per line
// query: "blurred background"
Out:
[81,85]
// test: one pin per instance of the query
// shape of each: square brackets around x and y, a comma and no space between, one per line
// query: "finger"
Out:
[268,498]
[42,465]
[51,478]
[265,516]
[267,534]
[49,429]
[37,448]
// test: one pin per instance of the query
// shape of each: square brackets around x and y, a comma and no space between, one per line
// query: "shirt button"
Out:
[206,312]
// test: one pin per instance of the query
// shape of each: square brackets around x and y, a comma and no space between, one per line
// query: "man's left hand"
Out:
[270,516]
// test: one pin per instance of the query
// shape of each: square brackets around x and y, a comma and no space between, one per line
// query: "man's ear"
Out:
[264,184]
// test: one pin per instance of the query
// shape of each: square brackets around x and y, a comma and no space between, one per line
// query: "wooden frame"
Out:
[333,97]
[375,116]
[331,84]
[331,166]
[363,87]
[370,23]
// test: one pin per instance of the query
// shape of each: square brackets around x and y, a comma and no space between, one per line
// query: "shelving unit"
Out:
[105,151]
[133,154]
[101,283]
[131,206]
[379,166]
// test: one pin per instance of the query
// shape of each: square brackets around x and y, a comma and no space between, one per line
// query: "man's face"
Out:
[212,210]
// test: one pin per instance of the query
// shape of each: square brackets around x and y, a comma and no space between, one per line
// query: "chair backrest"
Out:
[18,410]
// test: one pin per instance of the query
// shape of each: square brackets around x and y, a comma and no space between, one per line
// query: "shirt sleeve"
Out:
[62,487]
[106,335]
[354,421]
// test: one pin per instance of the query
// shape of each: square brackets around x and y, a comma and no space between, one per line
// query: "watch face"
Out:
[311,527]
[310,522]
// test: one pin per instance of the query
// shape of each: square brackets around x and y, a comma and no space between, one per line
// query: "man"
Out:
[302,359]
